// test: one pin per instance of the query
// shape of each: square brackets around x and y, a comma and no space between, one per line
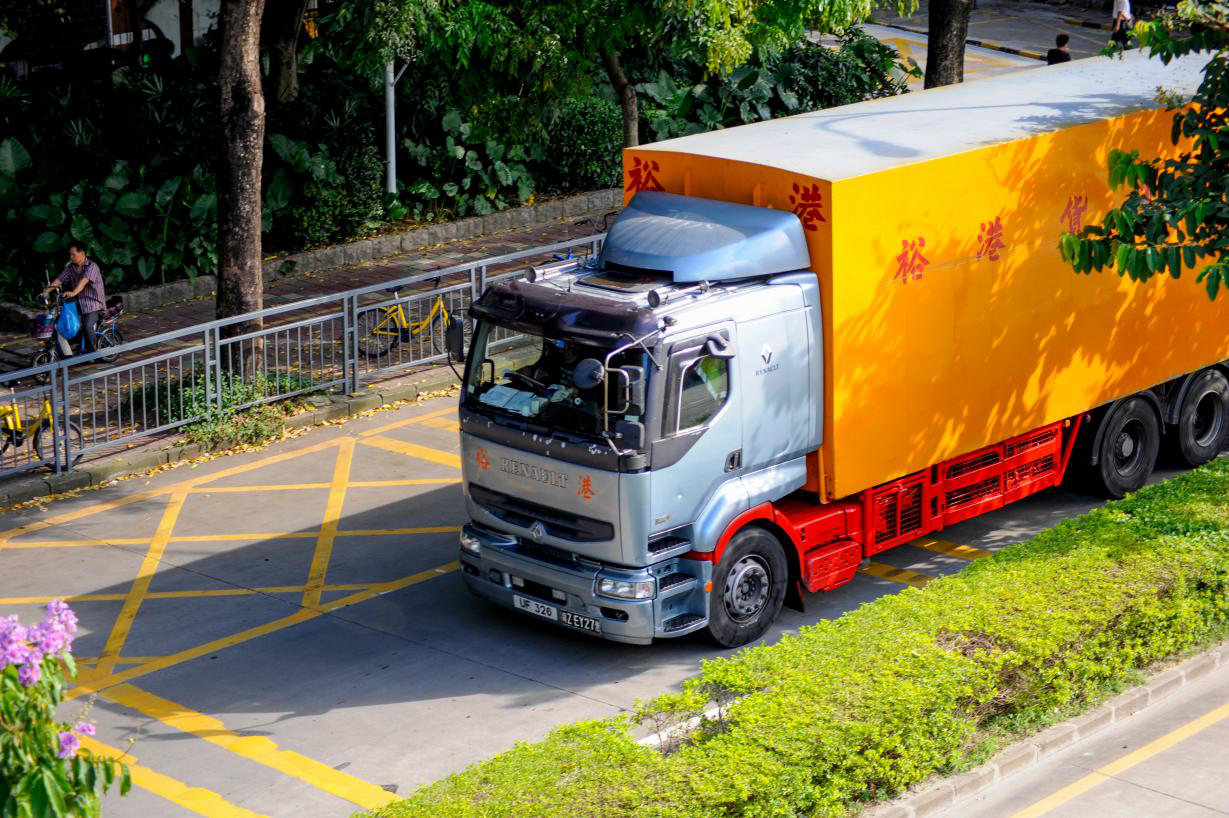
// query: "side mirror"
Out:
[454,339]
[635,390]
[718,347]
[588,373]
[630,433]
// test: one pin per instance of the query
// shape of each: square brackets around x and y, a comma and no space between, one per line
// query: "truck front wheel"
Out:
[1129,446]
[748,588]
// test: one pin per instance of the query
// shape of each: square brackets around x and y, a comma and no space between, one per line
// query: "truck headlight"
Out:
[623,589]
[471,543]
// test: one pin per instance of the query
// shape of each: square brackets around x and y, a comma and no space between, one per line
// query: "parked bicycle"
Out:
[381,329]
[56,347]
[15,432]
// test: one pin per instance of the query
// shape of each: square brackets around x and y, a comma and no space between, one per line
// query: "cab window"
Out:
[700,388]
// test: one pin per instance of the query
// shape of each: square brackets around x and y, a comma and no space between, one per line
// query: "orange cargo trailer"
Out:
[953,328]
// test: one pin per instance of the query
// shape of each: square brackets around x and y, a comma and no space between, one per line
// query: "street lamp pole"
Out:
[390,127]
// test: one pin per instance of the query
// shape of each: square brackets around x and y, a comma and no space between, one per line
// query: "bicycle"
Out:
[56,348]
[13,431]
[379,330]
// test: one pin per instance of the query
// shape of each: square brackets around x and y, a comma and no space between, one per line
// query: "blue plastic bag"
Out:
[69,322]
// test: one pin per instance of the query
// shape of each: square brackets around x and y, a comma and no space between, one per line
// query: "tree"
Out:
[948,29]
[240,286]
[1175,216]
[280,27]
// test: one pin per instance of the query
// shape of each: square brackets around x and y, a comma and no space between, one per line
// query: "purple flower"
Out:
[84,728]
[69,744]
[50,637]
[59,612]
[29,674]
[13,647]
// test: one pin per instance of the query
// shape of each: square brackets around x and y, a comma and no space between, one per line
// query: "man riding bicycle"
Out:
[82,280]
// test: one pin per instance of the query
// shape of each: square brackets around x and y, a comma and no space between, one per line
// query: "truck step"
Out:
[675,584]
[681,622]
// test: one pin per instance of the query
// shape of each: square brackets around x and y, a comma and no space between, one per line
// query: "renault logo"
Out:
[537,531]
[766,354]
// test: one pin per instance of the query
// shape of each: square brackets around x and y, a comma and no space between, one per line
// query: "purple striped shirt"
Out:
[93,298]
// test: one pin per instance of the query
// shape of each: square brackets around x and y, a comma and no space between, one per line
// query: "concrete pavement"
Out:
[1171,759]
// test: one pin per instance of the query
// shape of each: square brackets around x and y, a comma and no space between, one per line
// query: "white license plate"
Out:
[534,607]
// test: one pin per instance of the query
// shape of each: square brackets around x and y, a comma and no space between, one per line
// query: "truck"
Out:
[809,340]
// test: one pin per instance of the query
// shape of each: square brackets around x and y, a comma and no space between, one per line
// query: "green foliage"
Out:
[922,682]
[466,174]
[584,146]
[1174,217]
[323,199]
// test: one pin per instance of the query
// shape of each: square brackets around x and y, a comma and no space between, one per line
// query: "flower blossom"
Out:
[69,744]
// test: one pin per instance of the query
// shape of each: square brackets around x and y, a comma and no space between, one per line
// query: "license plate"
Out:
[584,623]
[536,608]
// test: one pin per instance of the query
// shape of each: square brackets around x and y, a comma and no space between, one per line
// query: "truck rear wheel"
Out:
[1128,450]
[1203,422]
[748,588]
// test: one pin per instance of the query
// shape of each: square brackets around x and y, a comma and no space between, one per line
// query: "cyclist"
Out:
[82,280]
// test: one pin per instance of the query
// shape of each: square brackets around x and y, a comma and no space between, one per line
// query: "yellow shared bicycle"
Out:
[379,330]
[15,432]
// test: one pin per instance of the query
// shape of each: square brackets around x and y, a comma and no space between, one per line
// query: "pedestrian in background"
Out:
[82,281]
[1122,22]
[1059,53]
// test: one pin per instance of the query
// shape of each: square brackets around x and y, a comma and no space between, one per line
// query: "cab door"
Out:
[698,442]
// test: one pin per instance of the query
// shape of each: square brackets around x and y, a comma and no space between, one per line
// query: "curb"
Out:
[327,408]
[1020,52]
[931,799]
[1075,21]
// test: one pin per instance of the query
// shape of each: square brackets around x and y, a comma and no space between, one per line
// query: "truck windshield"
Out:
[530,378]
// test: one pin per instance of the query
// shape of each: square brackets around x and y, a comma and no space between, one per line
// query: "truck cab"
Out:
[618,415]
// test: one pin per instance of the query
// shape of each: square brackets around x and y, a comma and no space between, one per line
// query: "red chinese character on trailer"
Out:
[1073,215]
[910,263]
[990,239]
[586,488]
[808,205]
[641,177]
[481,459]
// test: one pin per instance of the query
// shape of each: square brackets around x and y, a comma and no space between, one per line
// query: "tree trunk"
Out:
[949,27]
[240,286]
[627,97]
[280,28]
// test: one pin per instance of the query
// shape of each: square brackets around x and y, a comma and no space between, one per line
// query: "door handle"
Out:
[734,460]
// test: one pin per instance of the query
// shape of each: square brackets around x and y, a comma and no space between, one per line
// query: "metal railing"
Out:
[159,384]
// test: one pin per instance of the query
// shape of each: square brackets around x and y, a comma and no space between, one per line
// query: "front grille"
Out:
[558,524]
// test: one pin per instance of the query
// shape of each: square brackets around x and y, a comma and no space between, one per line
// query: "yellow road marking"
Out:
[332,515]
[385,532]
[184,485]
[414,450]
[196,799]
[191,594]
[257,535]
[1115,768]
[964,552]
[259,749]
[140,586]
[397,424]
[357,484]
[901,575]
[446,424]
[94,682]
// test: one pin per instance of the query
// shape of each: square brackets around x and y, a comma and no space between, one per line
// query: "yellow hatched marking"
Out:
[140,587]
[891,572]
[357,484]
[414,450]
[951,549]
[189,594]
[425,481]
[444,423]
[396,532]
[259,749]
[195,799]
[332,515]
[94,682]
[267,535]
[1116,768]
[397,424]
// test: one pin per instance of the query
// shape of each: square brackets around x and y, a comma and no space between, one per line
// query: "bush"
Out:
[926,681]
[584,146]
[43,770]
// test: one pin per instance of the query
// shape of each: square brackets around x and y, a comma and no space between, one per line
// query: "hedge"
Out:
[925,681]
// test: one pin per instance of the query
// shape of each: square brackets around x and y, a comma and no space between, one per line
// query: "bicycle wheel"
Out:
[106,340]
[377,331]
[44,438]
[42,357]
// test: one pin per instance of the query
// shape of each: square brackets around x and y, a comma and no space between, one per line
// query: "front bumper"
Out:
[637,622]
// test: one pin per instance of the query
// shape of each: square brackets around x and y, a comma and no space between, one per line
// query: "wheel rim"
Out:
[747,588]
[1129,447]
[1208,424]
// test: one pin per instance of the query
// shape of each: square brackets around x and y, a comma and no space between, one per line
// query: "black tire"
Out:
[42,357]
[44,442]
[1128,449]
[748,588]
[1203,421]
[105,340]
[371,344]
